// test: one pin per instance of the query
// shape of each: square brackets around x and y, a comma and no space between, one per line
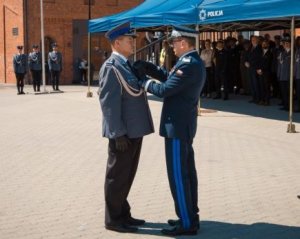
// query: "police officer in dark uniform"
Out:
[55,66]
[35,66]
[20,68]
[180,89]
[126,119]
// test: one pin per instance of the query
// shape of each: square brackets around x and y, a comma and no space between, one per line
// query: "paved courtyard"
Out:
[53,160]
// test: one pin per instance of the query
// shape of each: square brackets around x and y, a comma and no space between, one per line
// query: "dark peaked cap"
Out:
[180,31]
[120,30]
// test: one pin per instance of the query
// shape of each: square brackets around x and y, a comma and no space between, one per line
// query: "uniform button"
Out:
[169,118]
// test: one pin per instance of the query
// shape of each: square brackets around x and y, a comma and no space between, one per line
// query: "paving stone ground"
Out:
[53,160]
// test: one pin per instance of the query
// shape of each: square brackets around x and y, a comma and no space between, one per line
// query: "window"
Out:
[15,31]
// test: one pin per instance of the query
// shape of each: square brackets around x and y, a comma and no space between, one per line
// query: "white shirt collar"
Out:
[120,55]
[187,53]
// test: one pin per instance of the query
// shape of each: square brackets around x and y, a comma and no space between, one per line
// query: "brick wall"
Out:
[58,23]
[11,17]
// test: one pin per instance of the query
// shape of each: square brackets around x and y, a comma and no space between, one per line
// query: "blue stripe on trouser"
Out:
[179,185]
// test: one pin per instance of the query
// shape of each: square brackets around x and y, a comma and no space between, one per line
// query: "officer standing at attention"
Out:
[180,90]
[126,119]
[35,66]
[20,68]
[55,66]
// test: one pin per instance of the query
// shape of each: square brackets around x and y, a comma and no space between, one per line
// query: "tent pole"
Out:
[43,48]
[89,94]
[291,127]
[198,50]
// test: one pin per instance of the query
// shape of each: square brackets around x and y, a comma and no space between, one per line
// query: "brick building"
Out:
[65,22]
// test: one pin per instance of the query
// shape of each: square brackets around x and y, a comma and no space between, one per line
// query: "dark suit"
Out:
[221,69]
[125,112]
[265,79]
[180,90]
[254,58]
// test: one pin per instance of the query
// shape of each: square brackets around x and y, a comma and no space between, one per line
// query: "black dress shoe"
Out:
[174,223]
[135,222]
[121,228]
[178,230]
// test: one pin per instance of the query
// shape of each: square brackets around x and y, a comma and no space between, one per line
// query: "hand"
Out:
[247,64]
[122,143]
[259,72]
[144,68]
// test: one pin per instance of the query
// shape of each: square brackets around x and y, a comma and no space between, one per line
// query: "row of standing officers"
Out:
[21,63]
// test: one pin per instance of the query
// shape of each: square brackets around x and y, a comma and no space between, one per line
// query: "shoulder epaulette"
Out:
[110,62]
[186,59]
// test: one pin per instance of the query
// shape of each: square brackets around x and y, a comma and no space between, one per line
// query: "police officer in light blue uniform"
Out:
[126,119]
[20,68]
[55,65]
[180,89]
[35,66]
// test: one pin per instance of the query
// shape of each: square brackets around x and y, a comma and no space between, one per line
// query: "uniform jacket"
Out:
[180,90]
[284,66]
[35,61]
[297,63]
[123,114]
[20,63]
[55,61]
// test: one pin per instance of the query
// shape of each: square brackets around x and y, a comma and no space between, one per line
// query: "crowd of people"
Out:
[259,67]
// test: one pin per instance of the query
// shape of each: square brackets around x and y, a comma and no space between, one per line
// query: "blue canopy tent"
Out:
[153,13]
[210,15]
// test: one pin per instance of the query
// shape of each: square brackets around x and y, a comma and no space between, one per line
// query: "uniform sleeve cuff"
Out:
[147,85]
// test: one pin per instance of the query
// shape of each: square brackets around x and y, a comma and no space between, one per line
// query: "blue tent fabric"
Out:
[152,13]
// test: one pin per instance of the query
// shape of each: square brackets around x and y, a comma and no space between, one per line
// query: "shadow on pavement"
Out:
[224,230]
[239,104]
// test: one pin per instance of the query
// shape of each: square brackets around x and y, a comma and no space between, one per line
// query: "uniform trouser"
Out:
[264,87]
[20,81]
[254,85]
[55,79]
[285,89]
[208,81]
[221,81]
[183,180]
[36,76]
[120,172]
[275,85]
[83,75]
